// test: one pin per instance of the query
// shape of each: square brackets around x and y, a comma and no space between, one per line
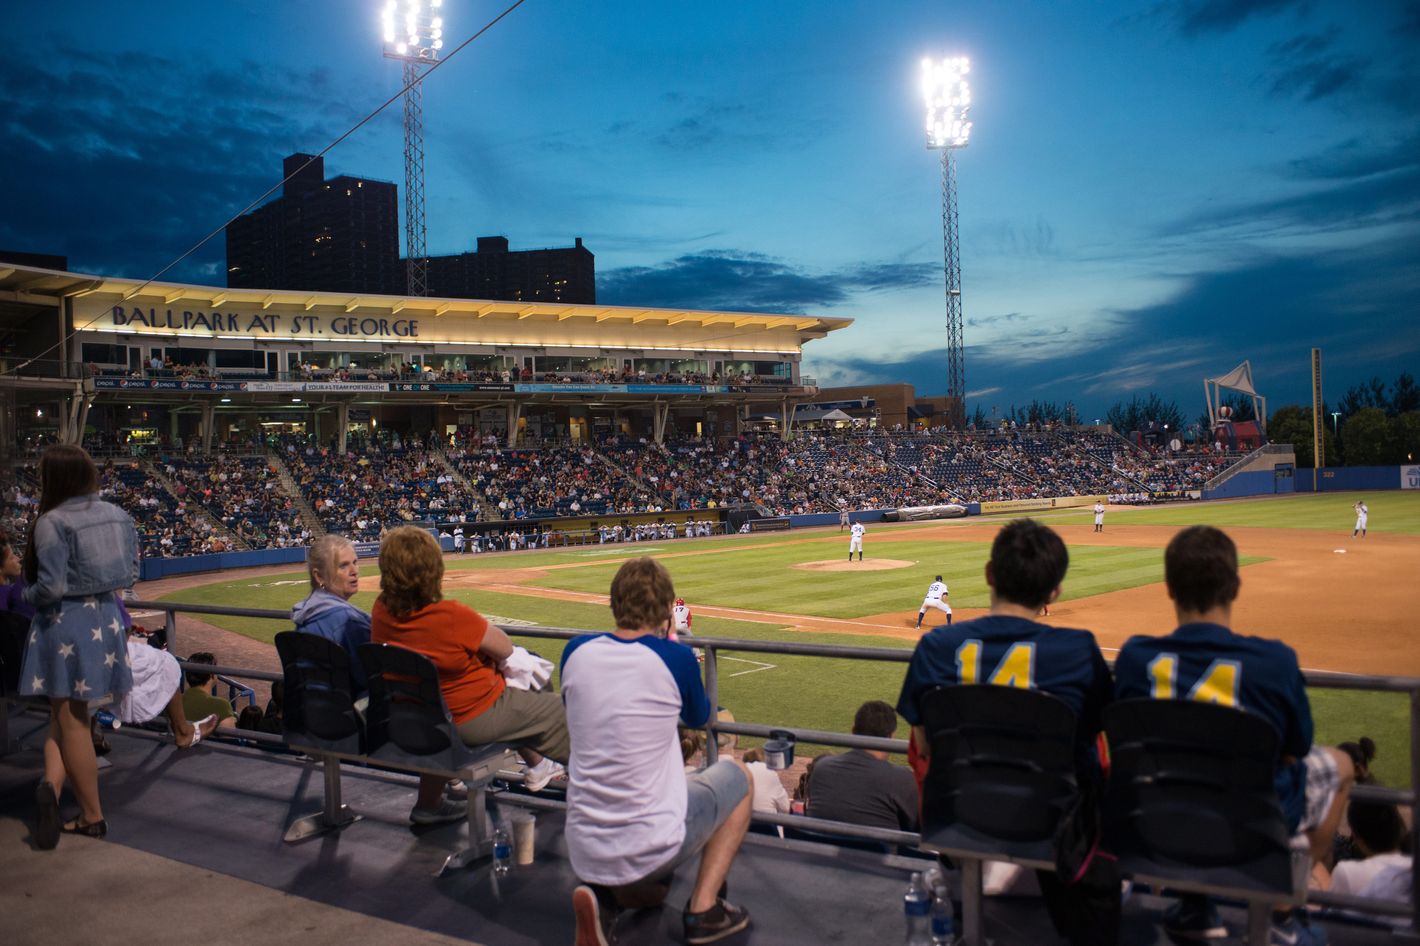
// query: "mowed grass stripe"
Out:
[1392,511]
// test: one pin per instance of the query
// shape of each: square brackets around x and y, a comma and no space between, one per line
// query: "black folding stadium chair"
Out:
[1000,780]
[1191,804]
[409,727]
[320,720]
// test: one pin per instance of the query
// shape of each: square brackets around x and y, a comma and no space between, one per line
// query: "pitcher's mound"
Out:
[843,565]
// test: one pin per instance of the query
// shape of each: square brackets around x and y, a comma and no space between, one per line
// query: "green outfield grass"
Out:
[816,693]
[1396,511]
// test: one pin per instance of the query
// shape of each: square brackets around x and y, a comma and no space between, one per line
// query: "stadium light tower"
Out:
[414,33]
[948,100]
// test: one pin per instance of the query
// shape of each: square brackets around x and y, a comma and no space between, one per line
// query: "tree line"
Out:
[1372,424]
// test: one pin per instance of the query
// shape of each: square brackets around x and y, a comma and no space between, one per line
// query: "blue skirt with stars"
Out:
[77,649]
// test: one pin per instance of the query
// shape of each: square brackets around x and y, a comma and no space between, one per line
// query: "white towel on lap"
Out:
[525,671]
[155,680]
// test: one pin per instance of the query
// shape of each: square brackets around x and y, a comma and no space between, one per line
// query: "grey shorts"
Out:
[711,795]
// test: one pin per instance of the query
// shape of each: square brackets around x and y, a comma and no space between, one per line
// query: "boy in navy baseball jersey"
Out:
[1008,647]
[1205,660]
[632,812]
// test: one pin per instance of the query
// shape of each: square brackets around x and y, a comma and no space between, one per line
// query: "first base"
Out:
[1339,551]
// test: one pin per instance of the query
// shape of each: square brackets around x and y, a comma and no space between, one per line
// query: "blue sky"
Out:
[1153,192]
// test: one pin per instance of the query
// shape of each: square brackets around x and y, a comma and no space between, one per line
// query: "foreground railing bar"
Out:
[1379,793]
[174,606]
[245,673]
[816,736]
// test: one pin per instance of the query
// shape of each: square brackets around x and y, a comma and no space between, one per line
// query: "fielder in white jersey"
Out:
[1361,514]
[855,543]
[936,598]
[1099,517]
[460,540]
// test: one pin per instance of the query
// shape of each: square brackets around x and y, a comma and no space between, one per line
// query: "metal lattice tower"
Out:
[948,99]
[951,263]
[415,229]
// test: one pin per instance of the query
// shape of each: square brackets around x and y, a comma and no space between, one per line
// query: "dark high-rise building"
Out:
[565,274]
[338,235]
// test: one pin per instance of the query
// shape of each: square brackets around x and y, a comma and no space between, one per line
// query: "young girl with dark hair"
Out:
[81,552]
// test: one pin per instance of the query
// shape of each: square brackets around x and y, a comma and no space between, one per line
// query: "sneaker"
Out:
[722,920]
[593,924]
[1295,932]
[1194,917]
[539,775]
[446,813]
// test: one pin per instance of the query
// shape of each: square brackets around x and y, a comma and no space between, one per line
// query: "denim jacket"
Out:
[83,546]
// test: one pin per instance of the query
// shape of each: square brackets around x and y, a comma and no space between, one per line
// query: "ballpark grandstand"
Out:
[544,444]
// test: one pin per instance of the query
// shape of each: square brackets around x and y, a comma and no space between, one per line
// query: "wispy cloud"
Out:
[1197,17]
[752,282]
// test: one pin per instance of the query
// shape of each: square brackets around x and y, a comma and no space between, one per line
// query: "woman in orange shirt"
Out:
[466,650]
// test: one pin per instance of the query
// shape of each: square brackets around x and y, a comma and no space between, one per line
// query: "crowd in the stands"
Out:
[191,504]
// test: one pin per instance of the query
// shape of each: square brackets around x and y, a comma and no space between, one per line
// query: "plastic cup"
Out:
[524,837]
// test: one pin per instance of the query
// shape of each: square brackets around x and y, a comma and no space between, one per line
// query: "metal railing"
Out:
[714,646]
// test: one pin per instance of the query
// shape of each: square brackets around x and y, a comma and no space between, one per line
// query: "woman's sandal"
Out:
[210,722]
[98,829]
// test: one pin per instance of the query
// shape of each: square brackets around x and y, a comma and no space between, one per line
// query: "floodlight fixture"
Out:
[412,31]
[948,99]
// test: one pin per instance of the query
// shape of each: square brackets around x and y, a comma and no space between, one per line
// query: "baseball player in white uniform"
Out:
[1099,517]
[680,619]
[936,598]
[1361,513]
[460,541]
[855,543]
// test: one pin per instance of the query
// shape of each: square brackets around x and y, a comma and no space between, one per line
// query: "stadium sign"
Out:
[1410,477]
[1027,505]
[259,324]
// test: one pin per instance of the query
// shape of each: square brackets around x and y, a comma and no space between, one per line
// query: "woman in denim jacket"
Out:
[81,551]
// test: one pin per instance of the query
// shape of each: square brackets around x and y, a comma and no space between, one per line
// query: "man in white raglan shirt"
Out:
[633,813]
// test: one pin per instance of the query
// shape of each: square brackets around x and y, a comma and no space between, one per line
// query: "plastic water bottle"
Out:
[944,927]
[107,720]
[916,909]
[502,852]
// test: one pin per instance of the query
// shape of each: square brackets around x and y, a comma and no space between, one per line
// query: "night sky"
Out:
[1153,191]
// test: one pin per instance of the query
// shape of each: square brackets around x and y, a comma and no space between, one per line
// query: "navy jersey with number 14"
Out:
[1011,651]
[1209,663]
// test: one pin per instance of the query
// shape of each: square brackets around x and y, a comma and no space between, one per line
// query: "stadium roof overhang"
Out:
[623,324]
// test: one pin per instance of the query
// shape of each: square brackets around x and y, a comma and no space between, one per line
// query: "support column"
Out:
[658,423]
[342,423]
[65,420]
[786,417]
[515,413]
[209,418]
[83,418]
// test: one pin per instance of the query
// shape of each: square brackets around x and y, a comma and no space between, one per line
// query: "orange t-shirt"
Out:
[448,633]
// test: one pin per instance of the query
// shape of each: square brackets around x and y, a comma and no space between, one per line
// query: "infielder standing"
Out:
[936,595]
[1361,513]
[1099,517]
[855,543]
[842,519]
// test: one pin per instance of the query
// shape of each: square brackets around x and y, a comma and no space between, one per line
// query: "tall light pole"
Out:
[948,100]
[414,34]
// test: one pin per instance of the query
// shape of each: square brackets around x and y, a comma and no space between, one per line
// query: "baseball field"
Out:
[1343,604]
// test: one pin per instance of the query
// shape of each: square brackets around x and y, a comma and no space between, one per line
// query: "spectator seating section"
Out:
[1190,804]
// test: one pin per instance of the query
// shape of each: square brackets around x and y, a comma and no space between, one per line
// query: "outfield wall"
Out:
[1331,479]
